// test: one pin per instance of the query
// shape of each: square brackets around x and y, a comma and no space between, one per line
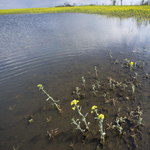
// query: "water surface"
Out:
[56,50]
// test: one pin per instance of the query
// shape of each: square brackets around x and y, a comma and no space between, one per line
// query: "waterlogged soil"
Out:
[19,134]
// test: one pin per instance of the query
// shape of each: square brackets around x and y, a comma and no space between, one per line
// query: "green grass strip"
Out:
[119,11]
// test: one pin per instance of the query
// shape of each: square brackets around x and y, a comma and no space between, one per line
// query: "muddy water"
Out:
[56,50]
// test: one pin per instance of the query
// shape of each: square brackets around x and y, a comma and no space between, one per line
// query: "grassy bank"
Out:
[120,11]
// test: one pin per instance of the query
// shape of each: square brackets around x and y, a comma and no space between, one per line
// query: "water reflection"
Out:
[56,50]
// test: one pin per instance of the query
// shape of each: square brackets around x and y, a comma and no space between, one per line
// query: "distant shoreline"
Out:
[118,11]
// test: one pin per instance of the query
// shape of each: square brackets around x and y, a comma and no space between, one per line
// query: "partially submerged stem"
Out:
[49,97]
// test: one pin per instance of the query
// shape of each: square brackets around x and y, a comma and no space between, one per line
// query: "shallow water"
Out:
[56,50]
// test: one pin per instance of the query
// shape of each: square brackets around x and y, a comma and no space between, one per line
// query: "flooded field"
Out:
[101,63]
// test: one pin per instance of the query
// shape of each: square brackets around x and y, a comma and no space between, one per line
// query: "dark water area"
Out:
[57,50]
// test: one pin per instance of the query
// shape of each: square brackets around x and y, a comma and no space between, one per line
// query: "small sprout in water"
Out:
[114,101]
[127,62]
[116,62]
[94,91]
[110,80]
[109,126]
[124,86]
[139,63]
[30,120]
[121,65]
[114,86]
[16,148]
[77,92]
[136,75]
[104,95]
[118,126]
[83,79]
[72,145]
[143,66]
[97,83]
[52,133]
[110,54]
[96,71]
[11,108]
[48,119]
[147,75]
[133,87]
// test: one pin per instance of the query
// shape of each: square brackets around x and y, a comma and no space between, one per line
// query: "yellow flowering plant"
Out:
[131,65]
[78,107]
[100,118]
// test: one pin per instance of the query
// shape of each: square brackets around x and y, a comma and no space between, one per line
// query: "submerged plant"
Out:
[77,124]
[110,54]
[110,81]
[127,62]
[136,75]
[131,65]
[100,118]
[78,107]
[77,92]
[143,65]
[135,116]
[124,86]
[40,86]
[121,66]
[118,126]
[97,83]
[30,120]
[133,87]
[116,62]
[94,91]
[83,80]
[48,119]
[147,75]
[138,63]
[11,107]
[96,71]
[52,133]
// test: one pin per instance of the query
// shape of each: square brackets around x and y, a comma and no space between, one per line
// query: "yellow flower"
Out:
[74,102]
[91,112]
[131,63]
[74,108]
[125,59]
[94,107]
[101,116]
[39,85]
